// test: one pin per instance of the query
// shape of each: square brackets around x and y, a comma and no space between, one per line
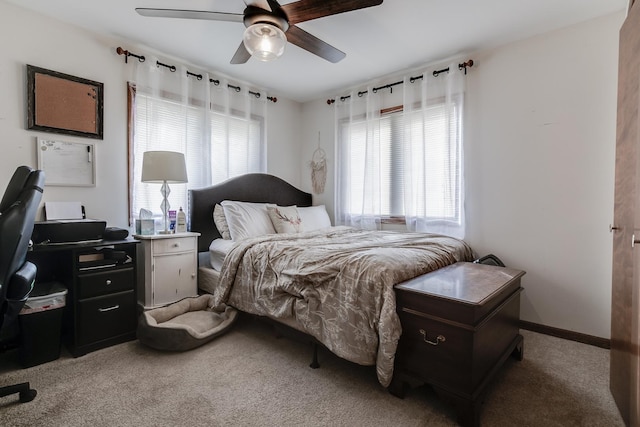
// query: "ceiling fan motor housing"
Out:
[255,15]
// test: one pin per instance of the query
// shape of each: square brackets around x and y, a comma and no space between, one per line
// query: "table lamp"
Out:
[164,167]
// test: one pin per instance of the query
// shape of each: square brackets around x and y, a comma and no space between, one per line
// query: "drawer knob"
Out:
[439,338]
[115,307]
[176,245]
[108,282]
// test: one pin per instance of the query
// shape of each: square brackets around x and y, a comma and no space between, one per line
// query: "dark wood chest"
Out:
[459,325]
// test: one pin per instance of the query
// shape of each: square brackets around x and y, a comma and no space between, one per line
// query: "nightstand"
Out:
[170,268]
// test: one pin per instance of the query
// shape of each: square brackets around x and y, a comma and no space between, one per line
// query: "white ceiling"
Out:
[397,35]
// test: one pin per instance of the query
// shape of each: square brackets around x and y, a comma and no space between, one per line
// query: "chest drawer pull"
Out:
[439,338]
[108,282]
[115,307]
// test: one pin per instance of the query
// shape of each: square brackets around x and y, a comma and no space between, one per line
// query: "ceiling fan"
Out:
[270,26]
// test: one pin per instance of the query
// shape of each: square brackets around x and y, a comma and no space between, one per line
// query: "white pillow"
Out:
[314,217]
[247,219]
[285,219]
[218,250]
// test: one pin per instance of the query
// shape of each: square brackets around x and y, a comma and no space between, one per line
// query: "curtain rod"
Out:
[436,73]
[172,68]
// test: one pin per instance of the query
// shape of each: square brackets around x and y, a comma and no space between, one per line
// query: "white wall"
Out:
[541,158]
[30,38]
[540,146]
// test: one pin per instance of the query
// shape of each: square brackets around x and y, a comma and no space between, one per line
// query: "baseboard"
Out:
[567,335]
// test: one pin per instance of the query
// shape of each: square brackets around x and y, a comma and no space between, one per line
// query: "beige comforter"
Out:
[335,284]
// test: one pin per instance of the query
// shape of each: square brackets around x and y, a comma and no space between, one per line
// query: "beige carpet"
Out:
[248,377]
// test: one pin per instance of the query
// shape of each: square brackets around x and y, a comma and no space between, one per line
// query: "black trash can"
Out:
[41,324]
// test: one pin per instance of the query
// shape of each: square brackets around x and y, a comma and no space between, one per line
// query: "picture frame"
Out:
[65,104]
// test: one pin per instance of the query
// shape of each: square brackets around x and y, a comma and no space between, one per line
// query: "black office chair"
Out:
[17,275]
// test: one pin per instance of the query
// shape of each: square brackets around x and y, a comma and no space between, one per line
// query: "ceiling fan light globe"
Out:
[265,42]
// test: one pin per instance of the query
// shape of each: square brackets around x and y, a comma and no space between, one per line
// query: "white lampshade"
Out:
[264,41]
[163,166]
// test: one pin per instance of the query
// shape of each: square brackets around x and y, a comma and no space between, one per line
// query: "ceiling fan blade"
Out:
[306,10]
[190,14]
[241,56]
[262,4]
[311,43]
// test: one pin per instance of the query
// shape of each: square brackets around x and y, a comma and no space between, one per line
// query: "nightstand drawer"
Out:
[106,317]
[105,282]
[168,246]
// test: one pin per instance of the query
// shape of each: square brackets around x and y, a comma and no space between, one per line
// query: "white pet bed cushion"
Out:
[186,324]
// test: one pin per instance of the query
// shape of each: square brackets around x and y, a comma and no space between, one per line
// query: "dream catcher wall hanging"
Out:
[318,166]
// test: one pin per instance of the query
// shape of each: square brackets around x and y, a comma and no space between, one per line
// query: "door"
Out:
[625,310]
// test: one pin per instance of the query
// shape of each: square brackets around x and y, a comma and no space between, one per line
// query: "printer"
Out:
[67,231]
[66,223]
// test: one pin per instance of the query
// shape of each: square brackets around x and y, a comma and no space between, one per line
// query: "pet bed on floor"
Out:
[186,324]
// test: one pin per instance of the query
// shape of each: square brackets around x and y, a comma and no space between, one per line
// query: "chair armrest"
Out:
[21,283]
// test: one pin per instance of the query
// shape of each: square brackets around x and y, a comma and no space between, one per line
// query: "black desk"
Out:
[100,308]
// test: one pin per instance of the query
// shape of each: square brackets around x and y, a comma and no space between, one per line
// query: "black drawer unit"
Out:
[101,300]
[105,317]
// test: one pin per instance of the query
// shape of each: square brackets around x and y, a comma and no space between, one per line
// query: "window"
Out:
[436,161]
[402,164]
[422,153]
[380,161]
[218,143]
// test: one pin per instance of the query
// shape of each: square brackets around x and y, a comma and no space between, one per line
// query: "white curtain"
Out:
[220,130]
[433,147]
[399,154]
[359,180]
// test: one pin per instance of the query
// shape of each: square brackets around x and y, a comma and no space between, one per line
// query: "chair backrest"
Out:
[16,227]
[15,187]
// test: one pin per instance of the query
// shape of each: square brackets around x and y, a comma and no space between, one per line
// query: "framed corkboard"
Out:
[62,103]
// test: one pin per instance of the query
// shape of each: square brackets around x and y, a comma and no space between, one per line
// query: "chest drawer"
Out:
[436,350]
[169,246]
[105,282]
[106,317]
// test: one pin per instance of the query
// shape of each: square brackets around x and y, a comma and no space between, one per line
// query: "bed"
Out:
[334,284]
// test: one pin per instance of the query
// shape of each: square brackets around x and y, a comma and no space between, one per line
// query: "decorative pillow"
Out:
[247,219]
[221,222]
[314,217]
[285,219]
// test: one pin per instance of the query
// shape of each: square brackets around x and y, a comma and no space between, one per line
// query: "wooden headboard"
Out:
[253,187]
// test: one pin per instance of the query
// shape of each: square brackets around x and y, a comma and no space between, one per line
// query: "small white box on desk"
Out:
[145,227]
